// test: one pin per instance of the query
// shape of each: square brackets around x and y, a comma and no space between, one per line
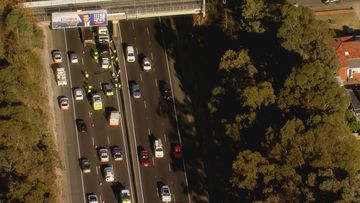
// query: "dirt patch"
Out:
[331,12]
[340,20]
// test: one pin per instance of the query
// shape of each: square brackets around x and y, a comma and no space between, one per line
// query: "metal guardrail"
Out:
[128,9]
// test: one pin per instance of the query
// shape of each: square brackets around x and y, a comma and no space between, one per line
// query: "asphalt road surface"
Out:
[151,116]
[79,145]
[148,118]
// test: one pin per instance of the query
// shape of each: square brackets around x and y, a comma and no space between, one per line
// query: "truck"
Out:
[61,76]
[103,35]
[114,118]
[87,35]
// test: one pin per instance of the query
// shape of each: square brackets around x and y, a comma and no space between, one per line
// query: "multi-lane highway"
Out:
[142,120]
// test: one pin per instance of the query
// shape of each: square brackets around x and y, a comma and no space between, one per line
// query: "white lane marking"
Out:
[152,56]
[169,167]
[100,198]
[156,82]
[156,191]
[147,30]
[74,112]
[145,104]
[97,170]
[137,51]
[108,139]
[153,160]
[174,198]
[175,112]
[165,137]
[149,132]
[82,61]
[133,129]
[140,77]
[133,26]
[93,141]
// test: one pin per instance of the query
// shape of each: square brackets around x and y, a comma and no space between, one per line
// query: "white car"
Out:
[130,54]
[104,155]
[78,94]
[57,56]
[159,152]
[109,174]
[73,57]
[146,64]
[165,194]
[92,198]
[64,103]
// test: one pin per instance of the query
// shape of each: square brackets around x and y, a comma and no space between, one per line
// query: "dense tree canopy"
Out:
[27,156]
[292,136]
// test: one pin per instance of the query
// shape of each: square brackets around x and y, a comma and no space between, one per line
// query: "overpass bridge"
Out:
[117,9]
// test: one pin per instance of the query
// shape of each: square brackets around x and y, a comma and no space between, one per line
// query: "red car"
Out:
[145,158]
[177,152]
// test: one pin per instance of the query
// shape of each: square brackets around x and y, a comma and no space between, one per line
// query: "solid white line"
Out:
[132,120]
[108,139]
[175,112]
[165,137]
[145,104]
[156,82]
[74,112]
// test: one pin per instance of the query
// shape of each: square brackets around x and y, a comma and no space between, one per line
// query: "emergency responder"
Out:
[89,89]
[86,74]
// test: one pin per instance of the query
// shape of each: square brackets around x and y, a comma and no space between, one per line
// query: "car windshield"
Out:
[92,198]
[159,149]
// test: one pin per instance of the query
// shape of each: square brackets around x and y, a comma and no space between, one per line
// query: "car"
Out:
[108,173]
[146,64]
[159,152]
[145,158]
[135,90]
[57,56]
[177,151]
[117,153]
[165,193]
[73,57]
[78,94]
[330,1]
[85,165]
[81,125]
[64,103]
[108,89]
[165,90]
[125,196]
[92,198]
[130,54]
[97,102]
[103,155]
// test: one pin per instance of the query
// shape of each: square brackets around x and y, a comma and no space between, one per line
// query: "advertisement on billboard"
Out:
[79,19]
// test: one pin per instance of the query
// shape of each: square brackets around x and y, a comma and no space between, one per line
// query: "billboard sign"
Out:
[79,19]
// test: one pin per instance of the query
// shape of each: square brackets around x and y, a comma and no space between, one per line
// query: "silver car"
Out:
[135,90]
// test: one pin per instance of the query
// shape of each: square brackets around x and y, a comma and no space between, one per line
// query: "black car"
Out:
[85,165]
[166,94]
[81,125]
[116,153]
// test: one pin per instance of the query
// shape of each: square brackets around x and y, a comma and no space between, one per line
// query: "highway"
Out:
[142,120]
[79,145]
[151,115]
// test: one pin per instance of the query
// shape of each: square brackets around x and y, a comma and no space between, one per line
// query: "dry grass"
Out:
[339,20]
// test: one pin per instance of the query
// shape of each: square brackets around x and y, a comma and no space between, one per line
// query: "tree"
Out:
[301,33]
[253,12]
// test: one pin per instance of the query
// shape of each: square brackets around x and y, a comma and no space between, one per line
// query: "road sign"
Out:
[79,19]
